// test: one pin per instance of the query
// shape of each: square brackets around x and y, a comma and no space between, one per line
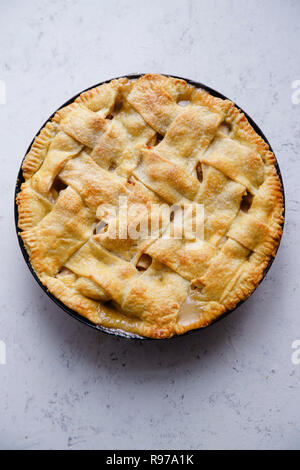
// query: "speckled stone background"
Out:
[232,386]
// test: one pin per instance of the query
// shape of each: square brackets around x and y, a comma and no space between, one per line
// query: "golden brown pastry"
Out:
[154,142]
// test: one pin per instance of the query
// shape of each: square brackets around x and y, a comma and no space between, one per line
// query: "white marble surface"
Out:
[231,386]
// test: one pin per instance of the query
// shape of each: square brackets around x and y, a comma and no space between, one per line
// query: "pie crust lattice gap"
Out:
[155,140]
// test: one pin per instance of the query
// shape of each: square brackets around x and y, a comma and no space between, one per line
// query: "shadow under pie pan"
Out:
[117,332]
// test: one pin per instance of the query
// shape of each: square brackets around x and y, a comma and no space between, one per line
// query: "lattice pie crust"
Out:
[154,139]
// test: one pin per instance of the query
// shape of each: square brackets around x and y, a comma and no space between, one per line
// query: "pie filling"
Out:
[150,206]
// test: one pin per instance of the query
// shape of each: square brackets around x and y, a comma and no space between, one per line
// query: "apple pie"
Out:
[154,143]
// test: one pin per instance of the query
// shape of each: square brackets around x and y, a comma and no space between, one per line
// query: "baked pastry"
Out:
[155,141]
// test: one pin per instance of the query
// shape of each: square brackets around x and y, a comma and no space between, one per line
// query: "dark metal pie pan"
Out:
[72,313]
